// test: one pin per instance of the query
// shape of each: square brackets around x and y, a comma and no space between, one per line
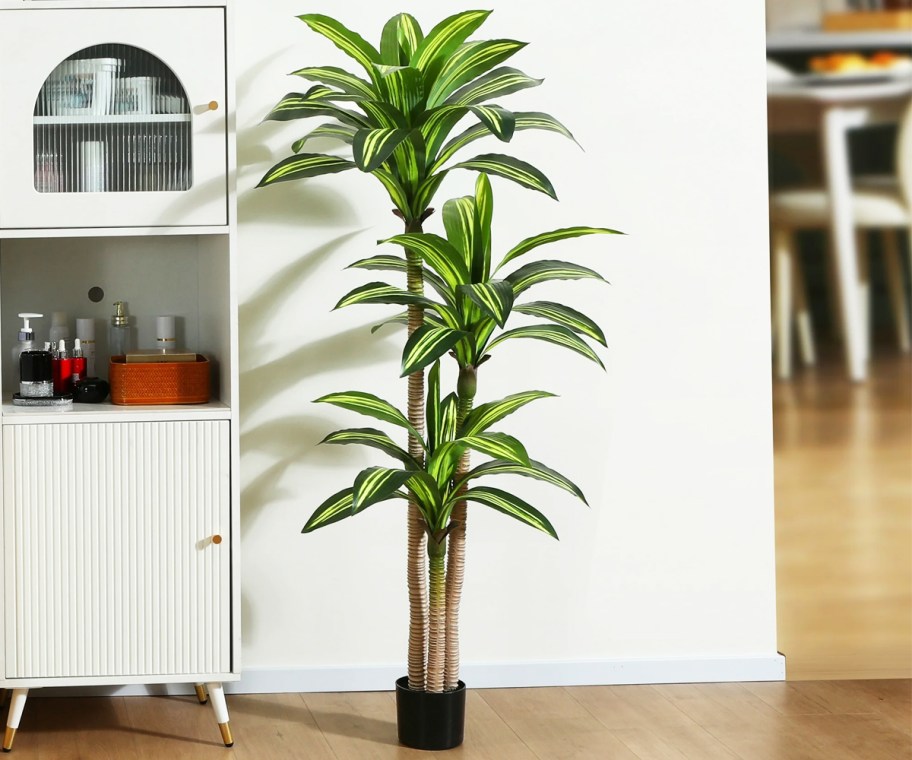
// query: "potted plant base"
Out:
[429,720]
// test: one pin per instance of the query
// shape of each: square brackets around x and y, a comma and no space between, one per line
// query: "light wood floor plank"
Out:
[277,727]
[623,707]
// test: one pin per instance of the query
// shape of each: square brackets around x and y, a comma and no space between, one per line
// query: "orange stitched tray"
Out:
[159,382]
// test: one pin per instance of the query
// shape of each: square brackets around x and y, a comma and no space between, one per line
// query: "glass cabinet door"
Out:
[112,117]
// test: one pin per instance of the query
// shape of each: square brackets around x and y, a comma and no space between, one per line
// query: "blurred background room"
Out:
[840,129]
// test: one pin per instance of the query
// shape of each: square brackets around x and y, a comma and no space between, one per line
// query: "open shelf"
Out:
[137,118]
[108,412]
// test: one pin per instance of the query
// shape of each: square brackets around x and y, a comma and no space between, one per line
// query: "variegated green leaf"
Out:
[484,214]
[437,125]
[448,417]
[542,271]
[482,332]
[296,105]
[467,62]
[369,405]
[510,168]
[439,254]
[553,236]
[381,293]
[432,408]
[443,463]
[336,77]
[482,417]
[376,484]
[427,344]
[331,130]
[410,34]
[510,505]
[394,189]
[399,264]
[427,496]
[336,507]
[426,191]
[382,115]
[409,161]
[391,52]
[499,121]
[399,319]
[326,93]
[494,84]
[563,315]
[556,334]
[401,86]
[371,147]
[349,42]
[374,438]
[536,470]
[522,120]
[305,165]
[494,298]
[461,226]
[499,446]
[435,49]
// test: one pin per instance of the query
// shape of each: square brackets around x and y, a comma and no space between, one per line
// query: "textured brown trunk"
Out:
[456,549]
[417,539]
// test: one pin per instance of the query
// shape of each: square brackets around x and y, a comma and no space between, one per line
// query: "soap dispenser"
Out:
[26,338]
[120,337]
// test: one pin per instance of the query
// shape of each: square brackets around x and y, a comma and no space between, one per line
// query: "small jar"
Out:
[36,374]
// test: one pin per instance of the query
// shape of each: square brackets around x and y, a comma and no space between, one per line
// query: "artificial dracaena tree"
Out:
[475,300]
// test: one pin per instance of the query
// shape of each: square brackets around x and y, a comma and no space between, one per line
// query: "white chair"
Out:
[881,203]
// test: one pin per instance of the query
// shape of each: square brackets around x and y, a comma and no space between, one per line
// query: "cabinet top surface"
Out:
[26,5]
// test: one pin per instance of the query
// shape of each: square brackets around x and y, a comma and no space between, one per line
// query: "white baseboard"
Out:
[479,676]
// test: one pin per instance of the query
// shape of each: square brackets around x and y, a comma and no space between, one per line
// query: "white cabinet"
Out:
[119,524]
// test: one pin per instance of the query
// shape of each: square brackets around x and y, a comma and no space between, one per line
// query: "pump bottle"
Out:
[26,337]
[120,337]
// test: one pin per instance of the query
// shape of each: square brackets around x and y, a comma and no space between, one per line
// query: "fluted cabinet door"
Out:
[117,549]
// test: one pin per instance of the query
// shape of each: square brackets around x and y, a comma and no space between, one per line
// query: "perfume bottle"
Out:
[120,334]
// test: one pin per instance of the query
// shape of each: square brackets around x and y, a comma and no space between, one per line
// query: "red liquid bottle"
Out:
[79,363]
[62,369]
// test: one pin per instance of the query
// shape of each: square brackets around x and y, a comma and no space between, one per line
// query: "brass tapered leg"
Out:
[225,728]
[201,694]
[8,739]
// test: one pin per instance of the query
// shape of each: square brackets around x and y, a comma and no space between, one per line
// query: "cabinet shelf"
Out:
[131,118]
[108,412]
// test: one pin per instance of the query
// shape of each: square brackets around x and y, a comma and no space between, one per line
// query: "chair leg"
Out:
[896,288]
[803,314]
[782,299]
[864,291]
[17,705]
[220,708]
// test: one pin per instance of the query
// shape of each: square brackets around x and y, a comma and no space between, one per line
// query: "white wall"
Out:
[672,567]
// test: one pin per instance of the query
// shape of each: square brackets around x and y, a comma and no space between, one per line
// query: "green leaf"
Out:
[494,298]
[331,130]
[410,35]
[336,507]
[522,120]
[556,334]
[296,105]
[499,446]
[499,121]
[443,463]
[349,42]
[460,225]
[563,315]
[482,331]
[409,159]
[399,319]
[542,271]
[484,214]
[448,417]
[427,495]
[371,406]
[381,293]
[467,62]
[510,505]
[382,115]
[402,87]
[535,470]
[433,409]
[324,93]
[371,147]
[427,344]
[437,125]
[553,236]
[394,189]
[439,254]
[391,52]
[399,264]
[376,484]
[336,77]
[494,84]
[375,439]
[435,49]
[426,191]
[305,165]
[485,415]
[512,169]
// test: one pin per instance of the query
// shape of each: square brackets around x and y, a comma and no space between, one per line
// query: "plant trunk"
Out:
[456,550]
[417,566]
[437,615]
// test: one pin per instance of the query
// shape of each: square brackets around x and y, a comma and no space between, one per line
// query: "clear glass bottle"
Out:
[120,334]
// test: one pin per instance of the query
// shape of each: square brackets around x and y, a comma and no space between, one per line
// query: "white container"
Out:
[92,166]
[60,328]
[82,87]
[136,95]
[165,335]
[85,332]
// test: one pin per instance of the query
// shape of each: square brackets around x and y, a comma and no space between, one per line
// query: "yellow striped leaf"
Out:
[535,470]
[512,169]
[304,165]
[467,62]
[510,505]
[369,405]
[542,271]
[433,409]
[336,77]
[439,254]
[383,115]
[461,226]
[296,105]
[484,215]
[349,42]
[427,344]
[563,315]
[494,84]
[376,484]
[402,87]
[437,125]
[499,121]
[336,507]
[553,236]
[427,496]
[374,438]
[485,415]
[331,131]
[499,446]
[399,264]
[394,189]
[381,293]
[494,298]
[435,49]
[371,147]
[556,334]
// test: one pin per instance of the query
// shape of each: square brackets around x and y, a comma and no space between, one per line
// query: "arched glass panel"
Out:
[115,119]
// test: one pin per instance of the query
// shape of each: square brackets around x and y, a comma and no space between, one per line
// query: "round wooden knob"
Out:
[216,539]
[213,105]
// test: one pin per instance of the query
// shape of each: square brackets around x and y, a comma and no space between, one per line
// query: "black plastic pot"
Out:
[429,720]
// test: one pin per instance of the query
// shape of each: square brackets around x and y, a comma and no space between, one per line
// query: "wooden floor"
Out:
[843,458]
[809,720]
